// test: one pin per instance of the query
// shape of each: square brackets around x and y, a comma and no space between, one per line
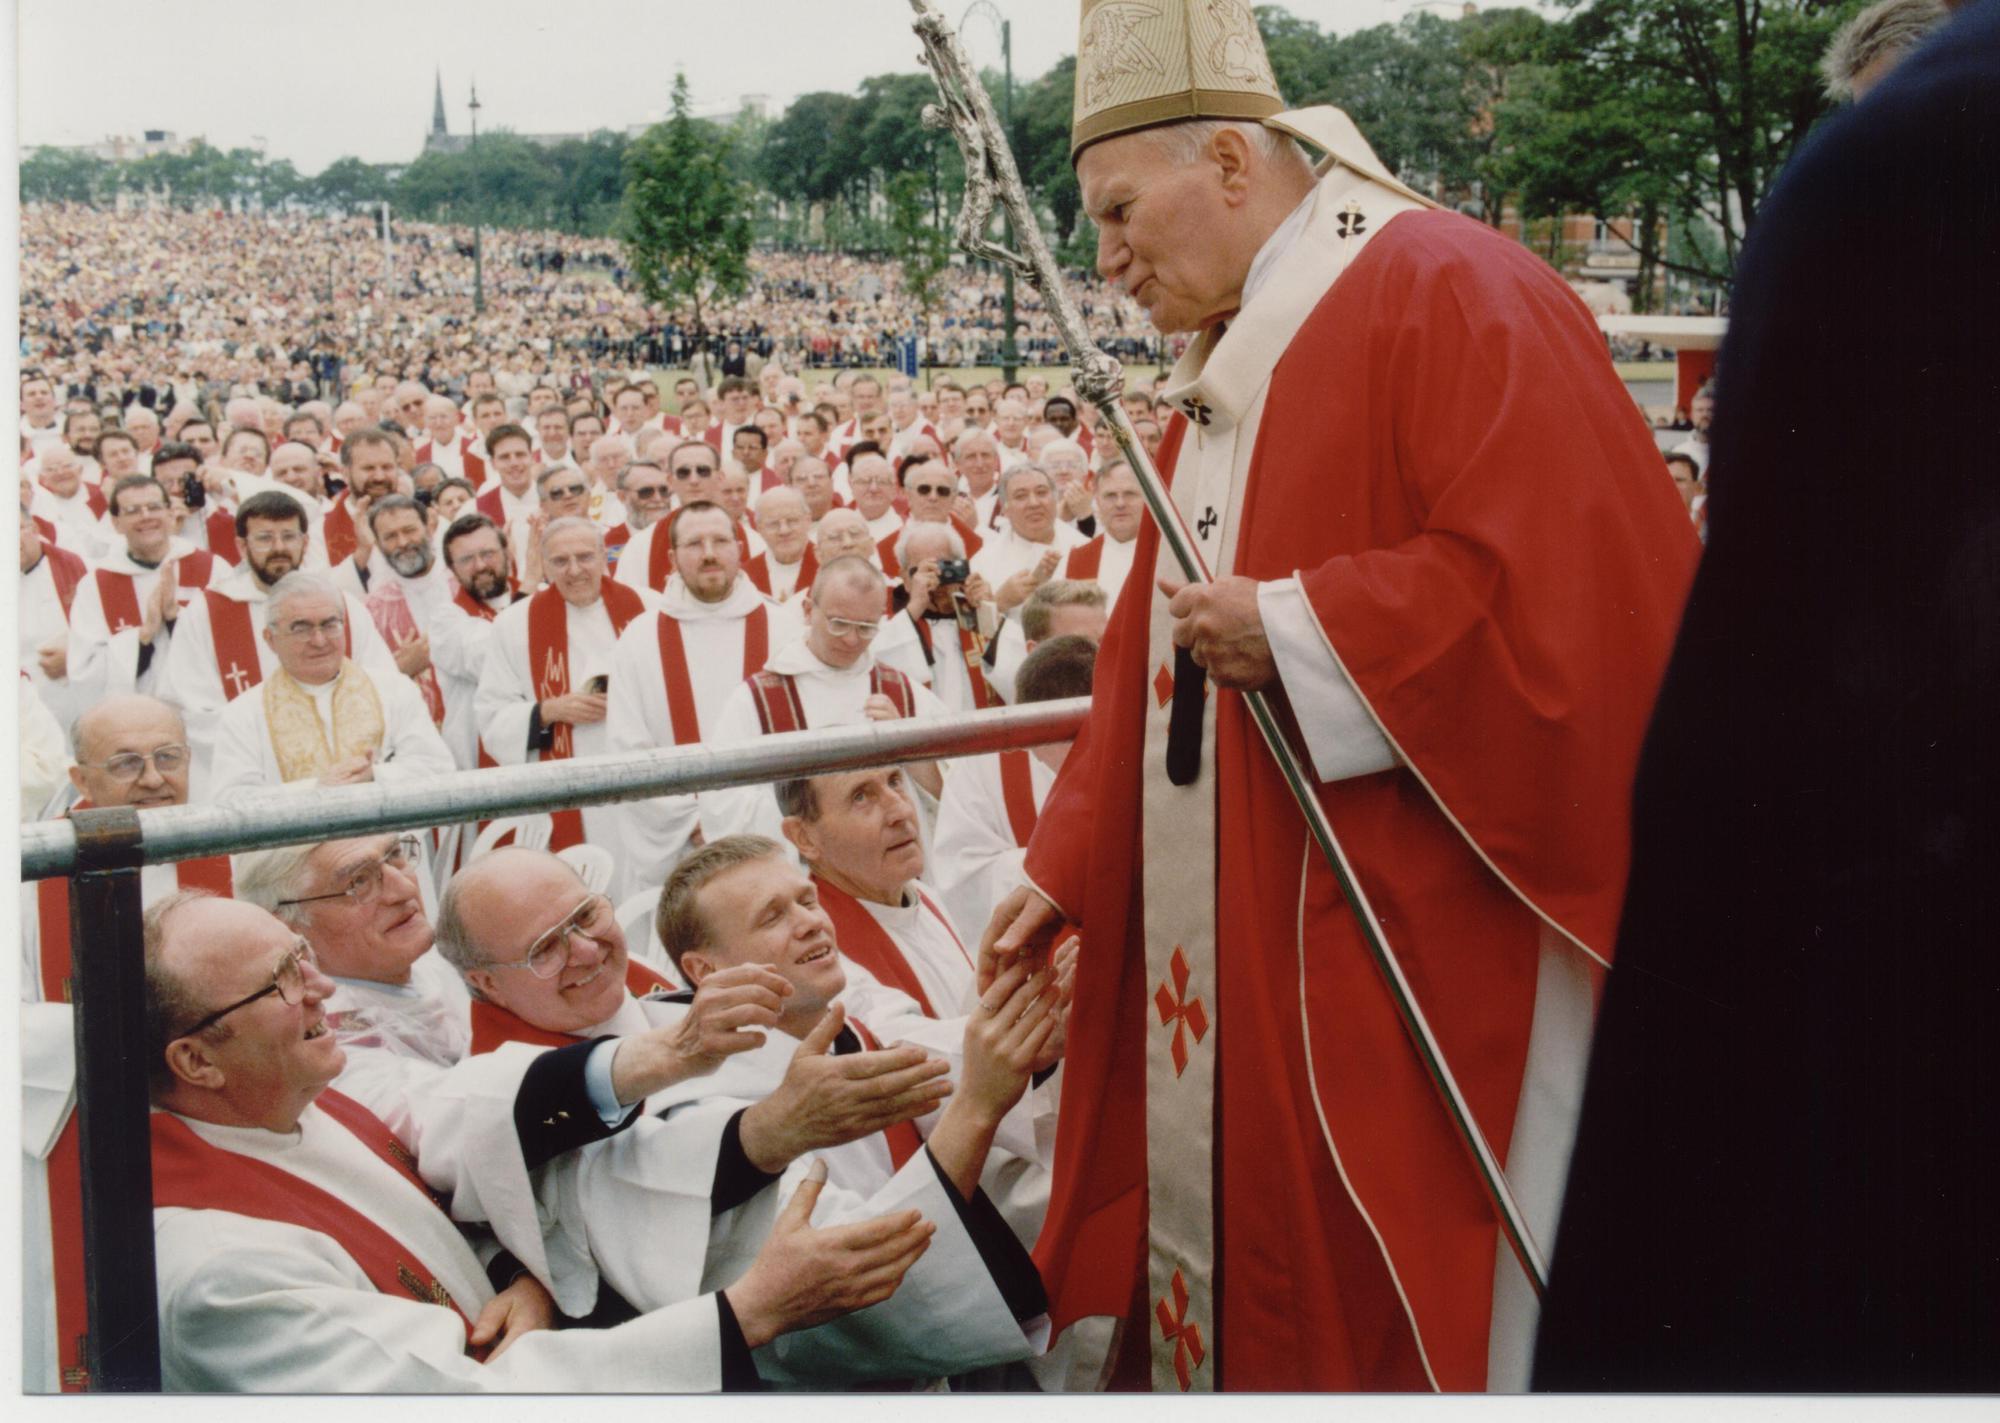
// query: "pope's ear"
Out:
[1230,152]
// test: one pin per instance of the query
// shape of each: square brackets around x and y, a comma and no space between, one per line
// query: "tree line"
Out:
[1675,115]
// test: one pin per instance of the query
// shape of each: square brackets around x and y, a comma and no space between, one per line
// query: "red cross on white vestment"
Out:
[1183,1014]
[1163,683]
[1177,1330]
[237,679]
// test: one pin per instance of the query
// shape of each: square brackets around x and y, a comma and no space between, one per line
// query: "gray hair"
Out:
[1182,144]
[972,432]
[568,522]
[390,503]
[267,878]
[1039,610]
[301,585]
[910,529]
[1024,467]
[848,571]
[450,937]
[1887,30]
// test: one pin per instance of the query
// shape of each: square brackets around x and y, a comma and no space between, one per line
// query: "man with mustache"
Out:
[408,587]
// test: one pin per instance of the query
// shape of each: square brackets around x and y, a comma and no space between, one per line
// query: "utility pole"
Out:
[478,214]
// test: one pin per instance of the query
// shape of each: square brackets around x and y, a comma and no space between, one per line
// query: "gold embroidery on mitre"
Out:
[1147,62]
[1112,48]
[303,747]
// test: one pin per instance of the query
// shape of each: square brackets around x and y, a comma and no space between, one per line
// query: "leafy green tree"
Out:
[346,183]
[685,223]
[56,175]
[922,245]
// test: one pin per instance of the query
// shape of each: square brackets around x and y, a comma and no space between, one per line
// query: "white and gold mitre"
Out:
[1146,62]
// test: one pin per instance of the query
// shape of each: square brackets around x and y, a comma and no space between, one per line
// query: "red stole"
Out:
[779,709]
[983,695]
[863,939]
[474,467]
[46,528]
[65,1160]
[119,592]
[1017,792]
[903,1138]
[886,548]
[548,663]
[674,668]
[493,1025]
[759,571]
[488,503]
[66,570]
[236,660]
[615,540]
[713,434]
[93,495]
[221,527]
[337,529]
[1085,559]
[660,553]
[390,607]
[191,1173]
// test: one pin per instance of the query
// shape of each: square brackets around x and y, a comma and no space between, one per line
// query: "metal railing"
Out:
[102,850]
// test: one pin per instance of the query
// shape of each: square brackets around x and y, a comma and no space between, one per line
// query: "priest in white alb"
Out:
[319,717]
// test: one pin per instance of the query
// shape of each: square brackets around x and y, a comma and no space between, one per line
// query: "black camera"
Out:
[424,497]
[194,493]
[953,570]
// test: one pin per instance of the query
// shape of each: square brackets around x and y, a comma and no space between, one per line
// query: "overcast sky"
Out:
[315,82]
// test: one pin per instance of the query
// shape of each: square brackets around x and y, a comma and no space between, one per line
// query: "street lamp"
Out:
[478,210]
[1010,357]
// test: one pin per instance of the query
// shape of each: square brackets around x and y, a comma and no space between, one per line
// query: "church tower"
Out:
[438,129]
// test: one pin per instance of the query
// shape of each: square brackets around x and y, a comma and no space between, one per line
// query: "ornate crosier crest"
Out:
[1238,51]
[1112,48]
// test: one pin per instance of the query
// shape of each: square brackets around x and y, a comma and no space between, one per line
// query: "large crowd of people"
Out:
[283,595]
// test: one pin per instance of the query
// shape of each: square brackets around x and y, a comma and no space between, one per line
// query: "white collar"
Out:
[1277,244]
[743,599]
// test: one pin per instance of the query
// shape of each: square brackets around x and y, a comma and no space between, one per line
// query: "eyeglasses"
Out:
[303,628]
[650,491]
[364,885]
[130,765]
[568,491]
[288,981]
[850,627]
[549,954]
[484,555]
[129,511]
[283,540]
[930,491]
[695,471]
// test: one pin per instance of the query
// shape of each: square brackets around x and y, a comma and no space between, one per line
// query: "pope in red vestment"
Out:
[1448,552]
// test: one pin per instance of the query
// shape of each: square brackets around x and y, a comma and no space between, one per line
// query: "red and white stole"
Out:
[983,695]
[776,697]
[758,570]
[66,571]
[488,503]
[548,663]
[660,553]
[493,1025]
[863,939]
[337,528]
[904,1140]
[46,528]
[674,668]
[1085,559]
[236,661]
[119,592]
[1017,793]
[390,607]
[194,1174]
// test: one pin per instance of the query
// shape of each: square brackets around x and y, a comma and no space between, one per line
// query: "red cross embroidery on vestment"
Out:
[1183,1014]
[1179,1332]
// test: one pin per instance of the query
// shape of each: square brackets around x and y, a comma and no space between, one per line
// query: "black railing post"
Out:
[107,967]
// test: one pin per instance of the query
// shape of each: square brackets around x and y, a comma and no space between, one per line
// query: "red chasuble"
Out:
[1500,568]
[548,661]
[191,1173]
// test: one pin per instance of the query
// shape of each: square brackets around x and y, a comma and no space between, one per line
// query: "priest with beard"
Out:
[474,554]
[672,672]
[406,590]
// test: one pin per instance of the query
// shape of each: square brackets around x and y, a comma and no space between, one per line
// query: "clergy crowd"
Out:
[499,1056]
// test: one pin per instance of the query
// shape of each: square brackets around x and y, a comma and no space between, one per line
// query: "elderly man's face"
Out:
[523,900]
[841,627]
[732,492]
[375,928]
[277,1056]
[1010,419]
[785,525]
[410,401]
[1030,506]
[844,534]
[441,419]
[515,466]
[61,471]
[930,487]
[647,494]
[1161,230]
[120,757]
[766,911]
[297,467]
[309,633]
[979,462]
[706,555]
[565,494]
[405,542]
[874,485]
[573,560]
[866,831]
[142,425]
[1068,466]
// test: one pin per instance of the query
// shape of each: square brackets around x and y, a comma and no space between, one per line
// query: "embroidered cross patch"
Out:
[1176,1330]
[237,679]
[1197,409]
[1350,222]
[1183,1014]
[1206,525]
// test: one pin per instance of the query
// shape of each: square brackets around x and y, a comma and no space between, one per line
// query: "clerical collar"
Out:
[149,567]
[1276,245]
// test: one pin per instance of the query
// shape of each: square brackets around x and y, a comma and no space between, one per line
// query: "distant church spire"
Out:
[437,108]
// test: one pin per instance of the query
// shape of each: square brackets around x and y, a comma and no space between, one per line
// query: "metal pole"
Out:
[478,213]
[107,984]
[279,817]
